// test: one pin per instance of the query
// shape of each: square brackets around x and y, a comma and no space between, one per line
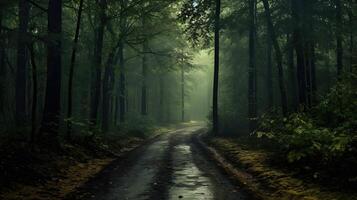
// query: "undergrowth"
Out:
[322,138]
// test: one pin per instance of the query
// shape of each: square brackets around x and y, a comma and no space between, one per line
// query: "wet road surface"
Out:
[170,167]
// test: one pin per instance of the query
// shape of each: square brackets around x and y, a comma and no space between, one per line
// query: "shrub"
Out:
[325,134]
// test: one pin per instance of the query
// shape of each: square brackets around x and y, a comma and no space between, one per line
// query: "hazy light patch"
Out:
[199,81]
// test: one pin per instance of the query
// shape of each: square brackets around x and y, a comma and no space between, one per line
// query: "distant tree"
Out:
[96,77]
[279,57]
[252,71]
[71,69]
[145,49]
[339,48]
[297,20]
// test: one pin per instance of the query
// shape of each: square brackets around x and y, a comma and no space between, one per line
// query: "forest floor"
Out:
[41,174]
[256,169]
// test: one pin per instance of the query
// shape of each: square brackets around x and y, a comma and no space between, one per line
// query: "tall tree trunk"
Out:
[97,64]
[71,70]
[182,94]
[279,58]
[22,60]
[297,13]
[2,66]
[217,27]
[339,50]
[144,77]
[313,75]
[122,81]
[161,98]
[307,56]
[108,81]
[269,77]
[50,121]
[291,70]
[116,110]
[252,71]
[350,19]
[34,95]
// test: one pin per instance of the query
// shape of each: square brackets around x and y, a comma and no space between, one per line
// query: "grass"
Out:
[274,182]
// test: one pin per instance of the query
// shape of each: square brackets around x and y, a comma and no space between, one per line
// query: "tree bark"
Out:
[116,110]
[2,66]
[217,27]
[313,75]
[50,121]
[350,19]
[34,96]
[161,98]
[339,49]
[182,94]
[22,60]
[144,74]
[122,81]
[279,58]
[307,56]
[97,64]
[269,77]
[71,71]
[291,70]
[297,13]
[252,81]
[108,82]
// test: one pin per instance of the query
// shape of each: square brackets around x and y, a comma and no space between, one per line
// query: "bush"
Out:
[138,126]
[324,135]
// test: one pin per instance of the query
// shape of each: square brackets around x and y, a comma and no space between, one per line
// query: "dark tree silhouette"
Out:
[51,114]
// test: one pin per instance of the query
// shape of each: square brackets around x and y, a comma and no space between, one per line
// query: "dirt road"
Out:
[170,167]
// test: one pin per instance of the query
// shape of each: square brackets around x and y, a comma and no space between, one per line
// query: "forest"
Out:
[178,99]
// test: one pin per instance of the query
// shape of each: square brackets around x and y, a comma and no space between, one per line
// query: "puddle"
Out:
[189,182]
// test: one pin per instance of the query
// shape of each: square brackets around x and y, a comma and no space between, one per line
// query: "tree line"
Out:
[311,44]
[68,65]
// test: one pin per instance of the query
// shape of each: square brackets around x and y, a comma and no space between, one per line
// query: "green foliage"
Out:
[325,135]
[339,107]
[138,126]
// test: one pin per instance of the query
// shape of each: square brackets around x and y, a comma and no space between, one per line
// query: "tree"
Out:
[339,49]
[122,87]
[145,49]
[291,70]
[269,63]
[297,20]
[71,70]
[182,93]
[108,84]
[252,82]
[97,61]
[279,57]
[215,120]
[22,60]
[34,94]
[122,78]
[51,114]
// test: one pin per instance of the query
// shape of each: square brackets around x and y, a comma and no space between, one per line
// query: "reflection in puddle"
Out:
[189,182]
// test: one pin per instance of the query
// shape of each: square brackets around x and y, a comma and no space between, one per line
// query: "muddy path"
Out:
[170,167]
